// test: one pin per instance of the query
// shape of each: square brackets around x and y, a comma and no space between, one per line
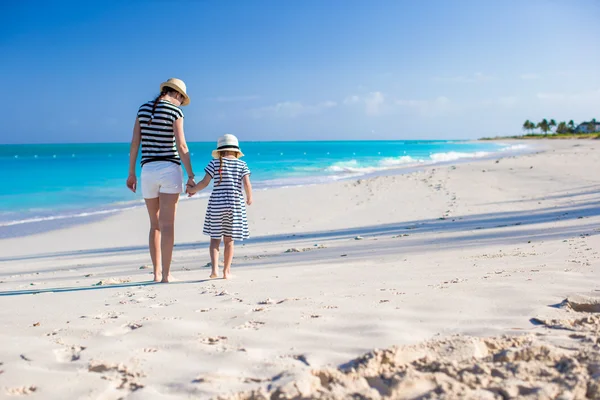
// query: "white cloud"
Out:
[589,98]
[231,99]
[477,77]
[374,103]
[507,101]
[292,109]
[551,96]
[434,107]
[530,77]
[410,103]
[352,99]
[442,100]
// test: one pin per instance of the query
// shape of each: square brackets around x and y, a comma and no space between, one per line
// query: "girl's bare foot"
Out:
[214,274]
[226,273]
[157,278]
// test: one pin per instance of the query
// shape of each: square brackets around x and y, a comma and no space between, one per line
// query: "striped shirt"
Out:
[158,138]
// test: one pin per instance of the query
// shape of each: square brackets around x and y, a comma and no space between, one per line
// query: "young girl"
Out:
[226,211]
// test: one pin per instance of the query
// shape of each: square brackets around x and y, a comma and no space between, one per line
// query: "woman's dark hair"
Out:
[165,90]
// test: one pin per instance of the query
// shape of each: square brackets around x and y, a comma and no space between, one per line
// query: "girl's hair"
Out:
[166,90]
[220,169]
[221,165]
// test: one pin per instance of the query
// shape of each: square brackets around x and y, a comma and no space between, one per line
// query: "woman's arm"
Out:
[193,189]
[248,189]
[182,148]
[133,152]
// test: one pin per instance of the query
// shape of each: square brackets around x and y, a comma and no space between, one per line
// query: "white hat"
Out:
[178,85]
[227,142]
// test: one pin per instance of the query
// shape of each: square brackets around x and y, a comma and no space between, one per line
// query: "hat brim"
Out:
[216,152]
[171,85]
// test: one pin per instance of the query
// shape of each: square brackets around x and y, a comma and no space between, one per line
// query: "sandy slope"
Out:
[475,249]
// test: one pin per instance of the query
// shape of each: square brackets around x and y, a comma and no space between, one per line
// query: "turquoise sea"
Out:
[68,183]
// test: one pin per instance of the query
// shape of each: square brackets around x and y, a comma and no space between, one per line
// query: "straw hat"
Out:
[227,142]
[178,85]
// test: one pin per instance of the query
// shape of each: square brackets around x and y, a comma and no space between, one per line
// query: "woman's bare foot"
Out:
[226,273]
[168,279]
[214,274]
[157,278]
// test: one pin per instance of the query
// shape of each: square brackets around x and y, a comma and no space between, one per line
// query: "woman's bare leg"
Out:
[214,257]
[154,237]
[228,256]
[166,221]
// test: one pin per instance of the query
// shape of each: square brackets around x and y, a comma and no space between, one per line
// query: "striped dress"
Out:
[226,211]
[158,138]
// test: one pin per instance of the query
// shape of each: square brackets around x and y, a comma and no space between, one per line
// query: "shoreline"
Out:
[56,220]
[330,272]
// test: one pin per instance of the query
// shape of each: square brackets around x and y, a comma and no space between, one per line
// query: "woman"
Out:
[159,129]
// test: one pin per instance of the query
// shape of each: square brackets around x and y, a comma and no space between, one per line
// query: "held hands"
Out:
[190,187]
[132,182]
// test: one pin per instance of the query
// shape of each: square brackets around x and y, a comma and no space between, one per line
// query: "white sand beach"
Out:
[477,249]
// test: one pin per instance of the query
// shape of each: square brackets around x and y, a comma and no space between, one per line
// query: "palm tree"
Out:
[552,124]
[562,128]
[571,126]
[543,125]
[528,125]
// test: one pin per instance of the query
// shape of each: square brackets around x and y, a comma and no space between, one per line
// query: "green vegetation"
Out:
[564,130]
[595,135]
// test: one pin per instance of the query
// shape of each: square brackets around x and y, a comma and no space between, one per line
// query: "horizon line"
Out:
[253,141]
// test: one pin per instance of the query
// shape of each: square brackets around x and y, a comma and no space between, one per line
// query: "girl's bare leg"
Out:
[154,236]
[214,257]
[228,256]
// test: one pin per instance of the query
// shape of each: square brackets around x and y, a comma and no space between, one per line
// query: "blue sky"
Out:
[298,70]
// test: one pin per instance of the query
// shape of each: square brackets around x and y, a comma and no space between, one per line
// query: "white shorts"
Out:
[161,177]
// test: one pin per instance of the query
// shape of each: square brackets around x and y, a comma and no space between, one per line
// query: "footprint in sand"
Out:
[70,354]
[271,301]
[212,379]
[118,373]
[300,357]
[21,391]
[112,281]
[108,315]
[214,340]
[123,330]
[251,325]
[204,310]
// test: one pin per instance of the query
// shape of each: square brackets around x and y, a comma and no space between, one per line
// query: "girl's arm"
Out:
[248,189]
[133,152]
[182,149]
[193,189]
